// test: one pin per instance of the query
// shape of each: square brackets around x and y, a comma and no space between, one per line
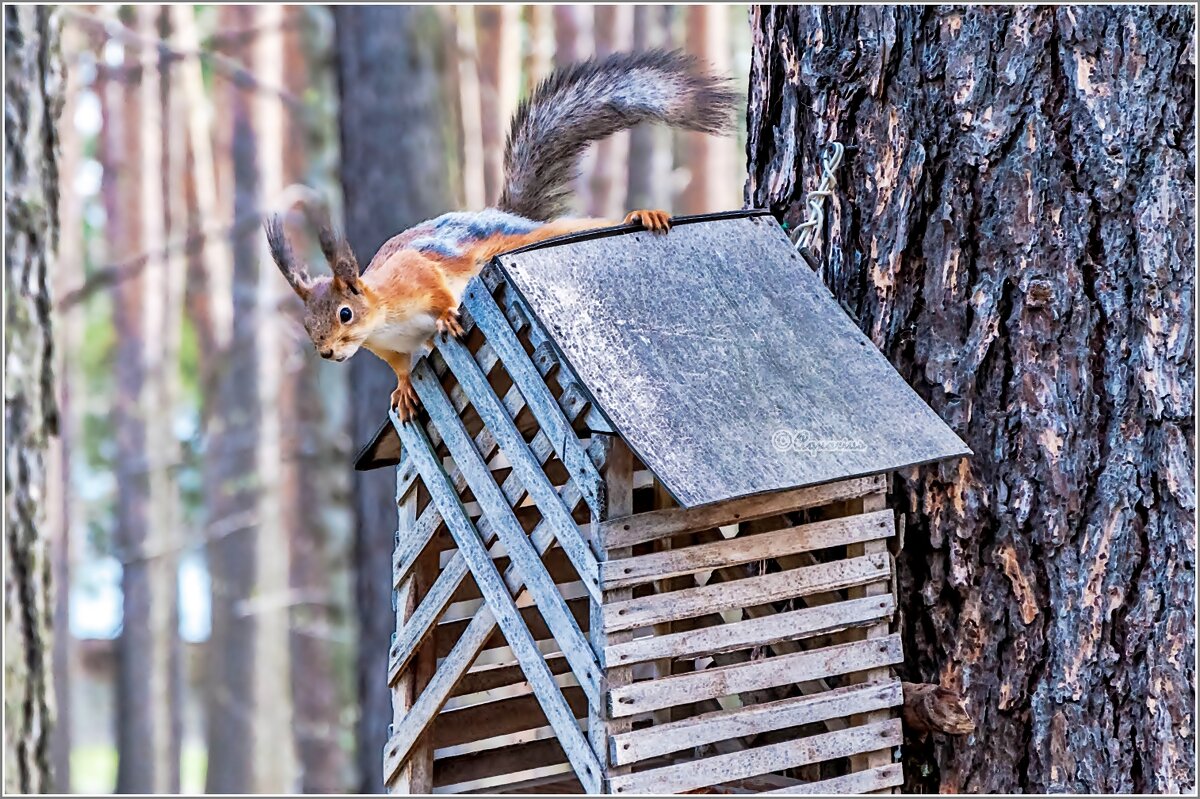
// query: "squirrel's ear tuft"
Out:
[293,271]
[340,257]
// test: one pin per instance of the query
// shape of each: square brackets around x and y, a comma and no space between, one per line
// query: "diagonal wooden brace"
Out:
[504,342]
[502,518]
[524,465]
[503,611]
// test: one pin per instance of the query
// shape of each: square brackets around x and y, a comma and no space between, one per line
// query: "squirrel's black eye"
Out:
[345,315]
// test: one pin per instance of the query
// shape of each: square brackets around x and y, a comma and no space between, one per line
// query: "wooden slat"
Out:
[437,694]
[860,782]
[412,543]
[748,592]
[552,607]
[497,719]
[463,611]
[573,404]
[487,359]
[707,728]
[764,631]
[672,521]
[754,675]
[453,773]
[527,468]
[618,501]
[503,611]
[563,677]
[501,781]
[802,538]
[455,571]
[692,775]
[872,502]
[541,402]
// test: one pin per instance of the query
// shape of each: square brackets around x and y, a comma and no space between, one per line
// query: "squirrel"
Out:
[411,289]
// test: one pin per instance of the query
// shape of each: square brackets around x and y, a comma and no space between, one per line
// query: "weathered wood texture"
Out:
[1015,233]
[723,361]
[32,100]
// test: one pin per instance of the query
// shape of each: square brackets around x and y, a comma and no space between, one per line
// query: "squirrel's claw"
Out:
[404,401]
[654,221]
[449,325]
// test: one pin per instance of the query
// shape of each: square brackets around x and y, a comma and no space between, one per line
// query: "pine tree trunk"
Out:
[150,762]
[499,43]
[1015,234]
[648,182]
[274,773]
[63,504]
[32,100]
[709,159]
[614,34]
[309,476]
[230,481]
[389,73]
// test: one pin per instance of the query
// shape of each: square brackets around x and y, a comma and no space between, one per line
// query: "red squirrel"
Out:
[411,289]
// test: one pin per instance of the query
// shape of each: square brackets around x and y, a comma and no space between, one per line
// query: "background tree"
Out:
[394,174]
[1015,234]
[32,100]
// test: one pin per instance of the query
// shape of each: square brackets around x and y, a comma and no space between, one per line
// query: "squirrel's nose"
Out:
[326,353]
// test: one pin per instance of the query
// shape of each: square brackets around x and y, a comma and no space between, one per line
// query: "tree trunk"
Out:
[230,480]
[64,510]
[574,42]
[32,99]
[309,477]
[389,71]
[499,40]
[150,616]
[614,33]
[709,159]
[274,773]
[648,184]
[1015,234]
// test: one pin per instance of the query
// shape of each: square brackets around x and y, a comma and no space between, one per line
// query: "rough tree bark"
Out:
[394,174]
[1015,234]
[32,100]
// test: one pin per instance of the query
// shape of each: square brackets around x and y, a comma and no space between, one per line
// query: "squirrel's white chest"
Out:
[408,335]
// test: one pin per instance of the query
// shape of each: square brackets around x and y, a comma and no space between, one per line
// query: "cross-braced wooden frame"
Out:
[563,625]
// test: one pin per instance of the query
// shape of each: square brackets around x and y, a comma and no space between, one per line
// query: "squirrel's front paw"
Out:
[448,324]
[654,221]
[404,401]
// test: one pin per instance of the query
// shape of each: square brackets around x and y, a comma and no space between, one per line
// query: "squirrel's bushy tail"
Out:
[591,100]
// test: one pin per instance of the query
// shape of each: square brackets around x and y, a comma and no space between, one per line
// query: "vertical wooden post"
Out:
[870,504]
[618,477]
[416,777]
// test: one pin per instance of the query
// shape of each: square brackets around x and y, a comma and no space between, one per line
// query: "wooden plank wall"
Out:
[773,617]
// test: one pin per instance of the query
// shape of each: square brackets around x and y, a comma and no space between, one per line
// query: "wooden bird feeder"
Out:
[644,533]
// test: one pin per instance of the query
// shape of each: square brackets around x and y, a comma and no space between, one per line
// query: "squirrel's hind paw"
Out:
[448,324]
[654,221]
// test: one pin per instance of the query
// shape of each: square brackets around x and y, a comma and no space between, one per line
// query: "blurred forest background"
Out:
[221,572]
